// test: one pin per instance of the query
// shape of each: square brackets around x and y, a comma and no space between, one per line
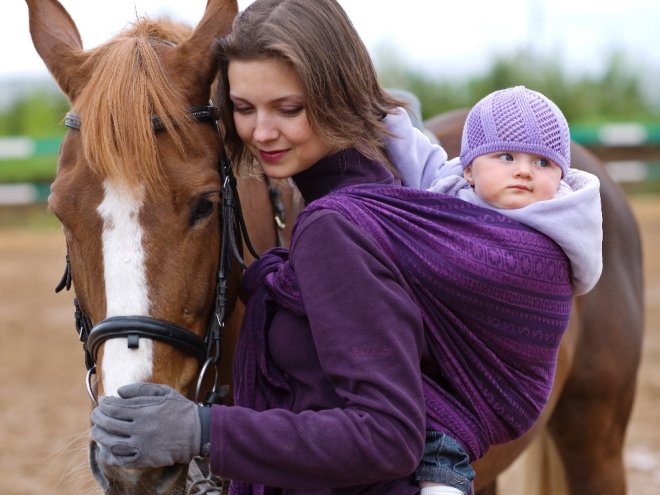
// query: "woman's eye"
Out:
[242,109]
[292,111]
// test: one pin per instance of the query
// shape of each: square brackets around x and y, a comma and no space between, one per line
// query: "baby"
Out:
[502,131]
[515,159]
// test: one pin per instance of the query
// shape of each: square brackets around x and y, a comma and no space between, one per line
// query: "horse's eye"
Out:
[202,209]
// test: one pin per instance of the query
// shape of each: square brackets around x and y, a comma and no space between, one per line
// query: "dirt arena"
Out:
[45,409]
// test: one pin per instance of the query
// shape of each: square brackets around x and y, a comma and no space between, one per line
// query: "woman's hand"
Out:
[148,425]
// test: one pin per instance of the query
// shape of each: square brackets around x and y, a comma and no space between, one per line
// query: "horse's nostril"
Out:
[172,476]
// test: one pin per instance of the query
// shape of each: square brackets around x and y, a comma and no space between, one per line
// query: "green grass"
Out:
[35,169]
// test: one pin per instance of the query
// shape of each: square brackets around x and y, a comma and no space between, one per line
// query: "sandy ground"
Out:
[44,408]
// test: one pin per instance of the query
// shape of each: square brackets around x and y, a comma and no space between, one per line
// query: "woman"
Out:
[343,403]
[383,287]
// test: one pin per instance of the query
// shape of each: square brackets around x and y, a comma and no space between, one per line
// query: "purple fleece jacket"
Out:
[354,418]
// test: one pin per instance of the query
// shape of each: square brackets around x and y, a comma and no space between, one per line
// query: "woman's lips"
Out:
[272,156]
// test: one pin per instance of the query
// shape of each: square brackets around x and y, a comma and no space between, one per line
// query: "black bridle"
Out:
[206,349]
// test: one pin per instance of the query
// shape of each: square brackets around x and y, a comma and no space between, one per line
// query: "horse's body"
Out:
[595,383]
[140,211]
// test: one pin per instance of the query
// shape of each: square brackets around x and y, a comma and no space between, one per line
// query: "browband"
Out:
[200,113]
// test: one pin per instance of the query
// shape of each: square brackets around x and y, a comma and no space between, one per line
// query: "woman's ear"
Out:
[467,174]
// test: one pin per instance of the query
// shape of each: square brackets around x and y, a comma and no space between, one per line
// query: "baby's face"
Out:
[510,179]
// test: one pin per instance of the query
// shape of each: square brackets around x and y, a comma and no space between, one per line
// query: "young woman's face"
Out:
[508,179]
[270,117]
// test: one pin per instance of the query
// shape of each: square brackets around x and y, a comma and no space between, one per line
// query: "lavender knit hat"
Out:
[517,119]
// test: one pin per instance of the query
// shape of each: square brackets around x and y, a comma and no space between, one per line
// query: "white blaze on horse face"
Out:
[126,290]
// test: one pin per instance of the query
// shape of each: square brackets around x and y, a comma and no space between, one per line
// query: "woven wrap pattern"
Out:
[495,297]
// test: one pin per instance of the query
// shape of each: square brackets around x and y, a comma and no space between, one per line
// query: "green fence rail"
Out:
[21,150]
[23,193]
[18,147]
[613,134]
[617,134]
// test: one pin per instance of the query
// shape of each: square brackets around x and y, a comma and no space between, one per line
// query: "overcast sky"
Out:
[447,37]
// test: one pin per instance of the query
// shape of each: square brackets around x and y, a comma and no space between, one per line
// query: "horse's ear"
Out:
[57,40]
[196,56]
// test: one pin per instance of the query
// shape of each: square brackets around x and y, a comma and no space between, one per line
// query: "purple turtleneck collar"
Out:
[344,168]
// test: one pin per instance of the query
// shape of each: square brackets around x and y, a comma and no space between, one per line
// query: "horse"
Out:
[141,192]
[593,393]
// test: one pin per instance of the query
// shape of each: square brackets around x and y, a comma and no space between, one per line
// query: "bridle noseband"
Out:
[205,349]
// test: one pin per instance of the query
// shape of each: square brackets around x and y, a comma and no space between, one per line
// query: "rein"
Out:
[205,349]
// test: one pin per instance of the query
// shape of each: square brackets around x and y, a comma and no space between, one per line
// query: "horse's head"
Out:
[138,194]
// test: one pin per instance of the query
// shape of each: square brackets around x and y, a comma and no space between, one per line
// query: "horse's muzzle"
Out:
[170,480]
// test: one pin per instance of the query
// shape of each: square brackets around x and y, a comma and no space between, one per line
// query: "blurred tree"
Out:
[615,95]
[39,114]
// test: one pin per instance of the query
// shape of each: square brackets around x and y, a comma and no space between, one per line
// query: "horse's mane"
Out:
[127,85]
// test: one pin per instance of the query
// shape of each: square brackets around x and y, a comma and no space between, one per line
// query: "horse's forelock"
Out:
[128,85]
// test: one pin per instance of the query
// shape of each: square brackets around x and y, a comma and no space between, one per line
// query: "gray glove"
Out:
[148,425]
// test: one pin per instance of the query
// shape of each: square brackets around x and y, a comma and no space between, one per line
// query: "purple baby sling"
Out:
[495,297]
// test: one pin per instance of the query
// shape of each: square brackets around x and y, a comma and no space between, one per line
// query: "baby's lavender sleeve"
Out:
[419,161]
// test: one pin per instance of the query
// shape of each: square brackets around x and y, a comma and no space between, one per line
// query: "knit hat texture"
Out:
[517,119]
